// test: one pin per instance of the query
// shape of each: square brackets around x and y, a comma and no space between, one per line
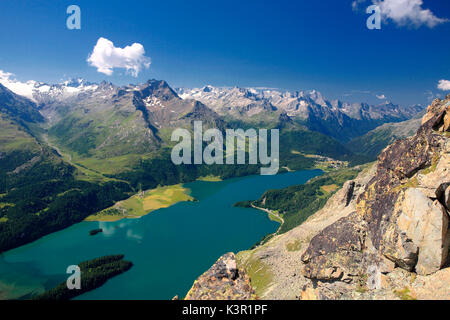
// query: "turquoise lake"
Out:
[169,247]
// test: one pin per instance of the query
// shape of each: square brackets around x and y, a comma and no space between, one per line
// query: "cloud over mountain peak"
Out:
[106,57]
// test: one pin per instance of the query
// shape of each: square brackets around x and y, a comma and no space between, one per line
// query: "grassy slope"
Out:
[105,138]
[373,142]
[260,275]
[12,137]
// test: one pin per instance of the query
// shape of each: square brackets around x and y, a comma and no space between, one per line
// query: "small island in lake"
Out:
[94,274]
[95,231]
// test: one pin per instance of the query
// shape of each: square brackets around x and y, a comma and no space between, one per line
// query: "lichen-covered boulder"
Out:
[335,253]
[223,281]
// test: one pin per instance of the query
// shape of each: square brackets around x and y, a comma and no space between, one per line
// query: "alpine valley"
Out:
[79,150]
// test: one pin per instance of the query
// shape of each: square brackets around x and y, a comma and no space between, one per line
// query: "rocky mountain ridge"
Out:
[109,121]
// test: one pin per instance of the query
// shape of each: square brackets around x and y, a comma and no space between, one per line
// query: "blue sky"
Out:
[294,45]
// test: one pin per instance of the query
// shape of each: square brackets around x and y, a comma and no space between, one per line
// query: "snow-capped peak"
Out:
[37,91]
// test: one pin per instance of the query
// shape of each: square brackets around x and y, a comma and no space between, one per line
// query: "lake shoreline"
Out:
[271,213]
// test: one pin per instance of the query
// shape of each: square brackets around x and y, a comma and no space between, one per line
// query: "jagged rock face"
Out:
[422,224]
[223,281]
[402,215]
[162,107]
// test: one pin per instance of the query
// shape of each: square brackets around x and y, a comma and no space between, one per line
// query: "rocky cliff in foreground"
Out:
[384,235]
[223,281]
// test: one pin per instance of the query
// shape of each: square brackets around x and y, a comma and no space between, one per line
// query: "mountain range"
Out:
[334,118]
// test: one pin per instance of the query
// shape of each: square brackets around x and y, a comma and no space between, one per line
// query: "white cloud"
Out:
[21,88]
[444,85]
[381,97]
[408,12]
[404,12]
[5,75]
[105,57]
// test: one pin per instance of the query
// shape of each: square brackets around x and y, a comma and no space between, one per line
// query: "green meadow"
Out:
[143,203]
